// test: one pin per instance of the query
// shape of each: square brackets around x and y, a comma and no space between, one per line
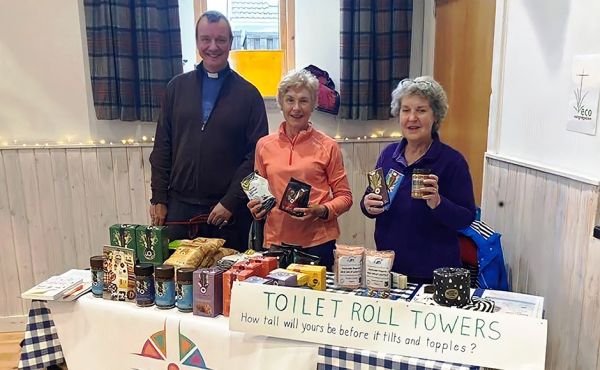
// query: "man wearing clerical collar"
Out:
[211,119]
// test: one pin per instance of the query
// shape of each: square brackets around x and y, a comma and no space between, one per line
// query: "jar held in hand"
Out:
[418,176]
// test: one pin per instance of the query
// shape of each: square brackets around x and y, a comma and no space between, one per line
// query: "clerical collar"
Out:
[218,74]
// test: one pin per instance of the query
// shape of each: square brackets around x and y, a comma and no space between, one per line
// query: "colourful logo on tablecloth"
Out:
[156,346]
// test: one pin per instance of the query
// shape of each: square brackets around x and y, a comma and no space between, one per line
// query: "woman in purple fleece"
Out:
[422,232]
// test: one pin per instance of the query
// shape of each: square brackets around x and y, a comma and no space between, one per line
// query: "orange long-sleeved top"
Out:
[311,157]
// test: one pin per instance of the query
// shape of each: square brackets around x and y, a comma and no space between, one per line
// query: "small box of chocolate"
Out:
[377,184]
[208,292]
[316,274]
[258,280]
[256,267]
[230,276]
[267,264]
[301,278]
[123,236]
[283,278]
[152,244]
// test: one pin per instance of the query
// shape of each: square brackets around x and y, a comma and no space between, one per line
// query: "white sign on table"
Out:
[584,94]
[410,329]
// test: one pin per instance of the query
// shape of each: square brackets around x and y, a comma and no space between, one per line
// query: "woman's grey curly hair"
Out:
[298,80]
[425,87]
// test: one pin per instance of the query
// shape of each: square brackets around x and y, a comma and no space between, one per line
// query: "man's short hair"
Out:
[213,16]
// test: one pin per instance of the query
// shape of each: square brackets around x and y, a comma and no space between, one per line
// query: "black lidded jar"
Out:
[165,286]
[144,284]
[97,270]
[184,289]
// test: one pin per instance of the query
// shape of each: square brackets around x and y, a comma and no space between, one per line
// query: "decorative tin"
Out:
[451,286]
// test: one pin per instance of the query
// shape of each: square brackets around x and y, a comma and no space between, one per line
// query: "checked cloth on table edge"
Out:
[41,347]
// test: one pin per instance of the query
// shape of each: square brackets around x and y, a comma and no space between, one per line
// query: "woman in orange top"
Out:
[300,151]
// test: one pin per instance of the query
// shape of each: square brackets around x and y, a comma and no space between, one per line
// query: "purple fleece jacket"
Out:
[423,238]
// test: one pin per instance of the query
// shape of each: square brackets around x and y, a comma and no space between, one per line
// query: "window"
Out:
[256,25]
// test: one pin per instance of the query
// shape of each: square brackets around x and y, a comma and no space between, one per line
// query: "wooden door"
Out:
[464,35]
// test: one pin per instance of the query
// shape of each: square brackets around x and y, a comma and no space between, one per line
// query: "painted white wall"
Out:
[45,89]
[534,46]
[187,24]
[318,36]
[42,88]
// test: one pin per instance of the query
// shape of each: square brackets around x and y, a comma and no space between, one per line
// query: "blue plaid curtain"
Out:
[134,50]
[375,55]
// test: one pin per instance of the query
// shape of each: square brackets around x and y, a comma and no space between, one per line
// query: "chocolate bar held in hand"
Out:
[378,185]
[296,195]
[257,187]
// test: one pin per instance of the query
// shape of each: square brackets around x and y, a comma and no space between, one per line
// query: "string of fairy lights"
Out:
[69,141]
[146,140]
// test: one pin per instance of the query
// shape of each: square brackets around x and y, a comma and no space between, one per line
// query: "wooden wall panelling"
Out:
[9,287]
[556,303]
[19,222]
[589,337]
[346,221]
[507,214]
[373,150]
[47,209]
[568,303]
[106,187]
[147,177]
[123,200]
[33,220]
[520,196]
[79,211]
[137,189]
[93,198]
[360,167]
[64,207]
[546,224]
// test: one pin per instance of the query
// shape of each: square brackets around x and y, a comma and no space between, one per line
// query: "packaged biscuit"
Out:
[257,187]
[378,265]
[296,195]
[348,266]
[216,257]
[191,254]
[208,292]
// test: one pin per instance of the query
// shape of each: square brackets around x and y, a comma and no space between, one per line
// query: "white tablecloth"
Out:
[101,334]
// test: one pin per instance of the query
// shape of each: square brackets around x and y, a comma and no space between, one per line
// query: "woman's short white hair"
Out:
[297,80]
[425,87]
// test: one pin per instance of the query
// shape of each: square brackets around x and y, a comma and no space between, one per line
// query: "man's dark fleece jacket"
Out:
[201,162]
